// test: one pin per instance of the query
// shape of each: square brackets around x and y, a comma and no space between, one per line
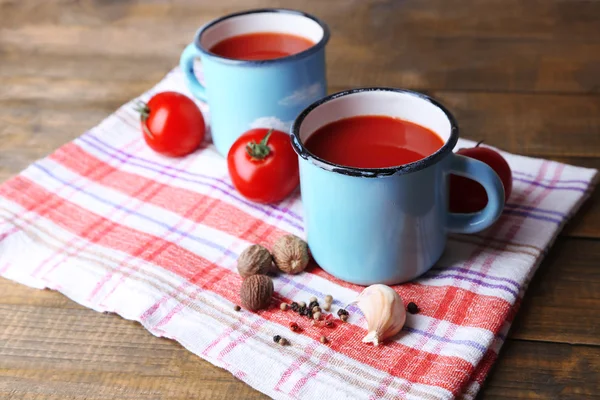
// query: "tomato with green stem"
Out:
[263,165]
[172,124]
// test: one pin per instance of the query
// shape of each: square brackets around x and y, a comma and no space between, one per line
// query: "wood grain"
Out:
[562,303]
[54,349]
[550,126]
[522,75]
[534,370]
[433,45]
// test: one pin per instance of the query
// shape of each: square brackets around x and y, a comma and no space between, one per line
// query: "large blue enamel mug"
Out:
[386,225]
[245,94]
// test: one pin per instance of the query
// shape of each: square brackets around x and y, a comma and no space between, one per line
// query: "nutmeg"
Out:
[255,260]
[256,292]
[290,254]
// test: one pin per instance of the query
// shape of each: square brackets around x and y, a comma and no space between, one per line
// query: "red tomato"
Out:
[467,195]
[263,166]
[172,124]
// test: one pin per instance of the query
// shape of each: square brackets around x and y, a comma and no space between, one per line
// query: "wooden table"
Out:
[523,75]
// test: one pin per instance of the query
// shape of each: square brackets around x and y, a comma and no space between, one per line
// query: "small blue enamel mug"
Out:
[256,94]
[386,225]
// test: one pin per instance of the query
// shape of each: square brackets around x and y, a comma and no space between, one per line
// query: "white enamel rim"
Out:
[398,103]
[277,20]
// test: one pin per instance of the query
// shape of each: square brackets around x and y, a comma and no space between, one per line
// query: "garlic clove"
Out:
[384,311]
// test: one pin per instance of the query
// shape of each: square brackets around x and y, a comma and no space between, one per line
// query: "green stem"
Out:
[144,111]
[259,151]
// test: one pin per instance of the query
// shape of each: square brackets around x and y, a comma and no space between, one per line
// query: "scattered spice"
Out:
[317,316]
[302,304]
[284,306]
[412,308]
[313,304]
[276,338]
[237,308]
[312,299]
[329,299]
[327,307]
[290,254]
[323,339]
[294,326]
[341,312]
[316,309]
[344,317]
[283,341]
[256,292]
[294,306]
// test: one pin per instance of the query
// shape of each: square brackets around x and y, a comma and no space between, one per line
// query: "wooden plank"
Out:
[536,125]
[55,349]
[530,370]
[562,303]
[586,223]
[553,19]
[32,129]
[438,45]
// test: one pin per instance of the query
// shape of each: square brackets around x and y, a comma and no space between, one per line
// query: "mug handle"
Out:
[487,177]
[186,63]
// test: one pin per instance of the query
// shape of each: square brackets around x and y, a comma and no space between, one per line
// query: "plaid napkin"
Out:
[118,228]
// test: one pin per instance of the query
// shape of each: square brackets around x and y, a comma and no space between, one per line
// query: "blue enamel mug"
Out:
[385,225]
[244,94]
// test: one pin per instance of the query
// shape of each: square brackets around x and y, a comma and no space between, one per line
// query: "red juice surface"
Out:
[261,46]
[373,141]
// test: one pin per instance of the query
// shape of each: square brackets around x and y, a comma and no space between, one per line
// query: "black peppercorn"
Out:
[276,338]
[412,308]
[302,310]
[294,306]
[341,312]
[309,313]
[313,304]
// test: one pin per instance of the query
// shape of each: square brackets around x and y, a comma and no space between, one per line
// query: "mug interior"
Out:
[272,20]
[406,105]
